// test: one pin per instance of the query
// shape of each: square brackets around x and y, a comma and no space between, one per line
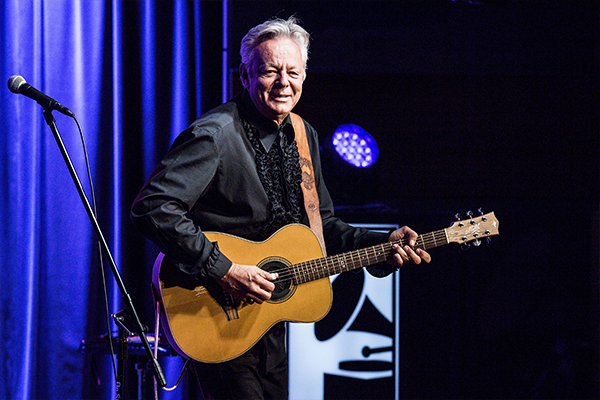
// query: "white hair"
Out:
[271,29]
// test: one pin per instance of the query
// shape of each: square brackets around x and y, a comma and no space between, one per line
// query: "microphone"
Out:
[17,84]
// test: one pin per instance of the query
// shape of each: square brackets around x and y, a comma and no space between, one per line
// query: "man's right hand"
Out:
[248,283]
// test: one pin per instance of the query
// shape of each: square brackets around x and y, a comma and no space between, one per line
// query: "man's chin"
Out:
[280,111]
[281,107]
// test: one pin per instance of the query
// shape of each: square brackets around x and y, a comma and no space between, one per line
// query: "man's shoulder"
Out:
[219,117]
[212,123]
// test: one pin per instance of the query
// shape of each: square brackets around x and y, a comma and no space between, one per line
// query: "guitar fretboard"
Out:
[323,267]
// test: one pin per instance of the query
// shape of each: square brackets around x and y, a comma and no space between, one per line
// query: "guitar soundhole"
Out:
[283,284]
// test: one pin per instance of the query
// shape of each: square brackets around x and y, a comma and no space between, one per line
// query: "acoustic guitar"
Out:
[204,323]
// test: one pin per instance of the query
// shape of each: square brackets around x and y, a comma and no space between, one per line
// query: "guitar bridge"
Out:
[232,313]
[229,305]
[225,300]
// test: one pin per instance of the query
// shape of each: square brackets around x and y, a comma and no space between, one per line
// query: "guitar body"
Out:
[204,324]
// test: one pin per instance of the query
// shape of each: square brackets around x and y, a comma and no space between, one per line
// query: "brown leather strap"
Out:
[309,189]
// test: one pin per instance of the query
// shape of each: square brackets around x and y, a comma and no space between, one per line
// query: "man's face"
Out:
[274,80]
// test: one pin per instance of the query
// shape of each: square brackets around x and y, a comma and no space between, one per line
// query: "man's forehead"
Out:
[270,56]
[284,46]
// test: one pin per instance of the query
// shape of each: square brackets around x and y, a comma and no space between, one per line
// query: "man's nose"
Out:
[283,79]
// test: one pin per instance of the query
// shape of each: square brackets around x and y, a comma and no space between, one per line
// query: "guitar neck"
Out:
[324,267]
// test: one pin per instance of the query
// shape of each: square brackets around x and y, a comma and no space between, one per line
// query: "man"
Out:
[236,170]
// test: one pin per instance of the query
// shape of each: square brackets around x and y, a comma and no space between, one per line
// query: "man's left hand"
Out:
[406,254]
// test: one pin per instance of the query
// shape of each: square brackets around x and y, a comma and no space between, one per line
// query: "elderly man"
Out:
[236,170]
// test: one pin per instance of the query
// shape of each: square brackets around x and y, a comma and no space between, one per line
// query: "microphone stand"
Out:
[126,298]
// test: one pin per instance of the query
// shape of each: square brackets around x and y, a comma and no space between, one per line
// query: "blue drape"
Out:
[130,73]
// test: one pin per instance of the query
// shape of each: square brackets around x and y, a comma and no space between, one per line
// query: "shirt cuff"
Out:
[217,264]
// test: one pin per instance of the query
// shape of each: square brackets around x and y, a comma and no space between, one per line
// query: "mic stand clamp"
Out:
[160,378]
[123,320]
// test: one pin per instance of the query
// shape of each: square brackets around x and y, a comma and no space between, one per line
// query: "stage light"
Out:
[355,145]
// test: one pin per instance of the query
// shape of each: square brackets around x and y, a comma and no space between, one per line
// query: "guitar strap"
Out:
[309,189]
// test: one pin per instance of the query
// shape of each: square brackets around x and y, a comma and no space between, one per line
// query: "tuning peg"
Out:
[476,242]
[470,215]
[480,209]
[465,246]
[457,216]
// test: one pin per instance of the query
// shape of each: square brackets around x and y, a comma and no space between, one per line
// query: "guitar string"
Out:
[320,268]
[427,241]
[313,269]
[301,270]
[308,267]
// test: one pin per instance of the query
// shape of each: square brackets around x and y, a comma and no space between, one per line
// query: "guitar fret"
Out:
[369,257]
[342,262]
[305,269]
[317,271]
[303,272]
[356,261]
[424,241]
[352,262]
[330,263]
[310,271]
[314,271]
[296,273]
[429,240]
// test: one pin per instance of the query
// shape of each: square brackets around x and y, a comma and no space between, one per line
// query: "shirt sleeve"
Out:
[160,211]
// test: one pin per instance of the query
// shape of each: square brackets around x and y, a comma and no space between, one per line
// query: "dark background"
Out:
[490,104]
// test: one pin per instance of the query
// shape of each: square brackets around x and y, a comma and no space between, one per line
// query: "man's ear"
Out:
[244,75]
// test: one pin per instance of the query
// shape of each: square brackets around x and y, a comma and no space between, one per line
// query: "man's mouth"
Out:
[280,97]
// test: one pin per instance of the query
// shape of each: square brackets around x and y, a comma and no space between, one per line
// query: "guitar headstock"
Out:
[473,229]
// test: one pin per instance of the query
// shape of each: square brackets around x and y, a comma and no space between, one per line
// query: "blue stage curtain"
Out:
[129,71]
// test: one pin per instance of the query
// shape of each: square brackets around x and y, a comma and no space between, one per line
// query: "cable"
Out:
[101,257]
[156,337]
